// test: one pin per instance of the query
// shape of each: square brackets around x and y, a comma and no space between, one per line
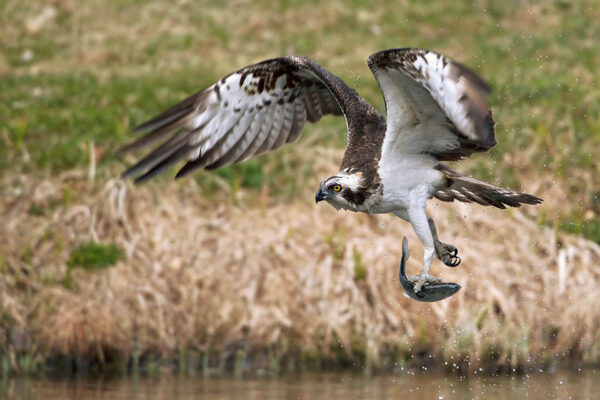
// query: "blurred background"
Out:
[237,270]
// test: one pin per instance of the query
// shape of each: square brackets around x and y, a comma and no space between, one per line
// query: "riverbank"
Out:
[252,284]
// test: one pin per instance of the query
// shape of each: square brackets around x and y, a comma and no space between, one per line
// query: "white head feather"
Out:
[346,180]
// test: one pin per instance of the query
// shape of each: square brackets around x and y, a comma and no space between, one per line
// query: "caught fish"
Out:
[430,292]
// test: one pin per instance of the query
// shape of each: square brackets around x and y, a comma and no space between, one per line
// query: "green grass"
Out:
[97,68]
[101,68]
[590,228]
[93,256]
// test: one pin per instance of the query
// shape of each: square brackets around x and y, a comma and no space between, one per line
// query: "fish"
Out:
[430,292]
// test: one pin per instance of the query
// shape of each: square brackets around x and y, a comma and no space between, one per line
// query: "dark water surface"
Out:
[562,385]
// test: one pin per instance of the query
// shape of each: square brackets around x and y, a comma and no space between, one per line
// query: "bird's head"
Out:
[343,190]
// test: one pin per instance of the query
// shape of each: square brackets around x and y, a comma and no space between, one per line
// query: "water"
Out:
[563,385]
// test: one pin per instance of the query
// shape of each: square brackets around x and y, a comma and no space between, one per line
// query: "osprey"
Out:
[436,111]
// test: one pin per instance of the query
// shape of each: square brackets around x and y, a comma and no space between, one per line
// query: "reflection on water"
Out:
[563,385]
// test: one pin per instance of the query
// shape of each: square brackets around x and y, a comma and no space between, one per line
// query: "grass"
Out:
[578,225]
[91,256]
[94,255]
[311,290]
[74,80]
[97,71]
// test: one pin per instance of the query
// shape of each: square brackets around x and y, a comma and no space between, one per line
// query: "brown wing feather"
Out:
[215,127]
[434,105]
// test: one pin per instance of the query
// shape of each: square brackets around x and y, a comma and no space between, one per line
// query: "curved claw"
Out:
[452,260]
[428,293]
[456,262]
[447,253]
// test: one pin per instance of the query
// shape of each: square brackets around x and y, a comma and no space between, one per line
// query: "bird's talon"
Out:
[447,253]
[423,280]
[433,292]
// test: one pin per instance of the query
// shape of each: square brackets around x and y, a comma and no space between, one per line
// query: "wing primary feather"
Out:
[161,121]
[165,164]
[177,111]
[474,79]
[208,154]
[166,123]
[159,154]
[188,168]
[151,137]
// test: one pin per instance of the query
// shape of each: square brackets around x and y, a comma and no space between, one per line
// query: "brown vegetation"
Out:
[238,269]
[209,284]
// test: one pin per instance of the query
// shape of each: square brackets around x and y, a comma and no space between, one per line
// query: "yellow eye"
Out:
[337,188]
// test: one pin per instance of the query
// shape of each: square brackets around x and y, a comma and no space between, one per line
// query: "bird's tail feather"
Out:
[467,190]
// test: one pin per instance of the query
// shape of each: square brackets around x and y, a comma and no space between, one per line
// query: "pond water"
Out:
[561,385]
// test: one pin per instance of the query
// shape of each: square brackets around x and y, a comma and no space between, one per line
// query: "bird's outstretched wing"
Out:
[434,105]
[251,111]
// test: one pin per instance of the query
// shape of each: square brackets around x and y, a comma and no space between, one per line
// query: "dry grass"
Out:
[286,285]
[223,271]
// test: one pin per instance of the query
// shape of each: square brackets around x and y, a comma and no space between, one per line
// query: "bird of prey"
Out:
[436,111]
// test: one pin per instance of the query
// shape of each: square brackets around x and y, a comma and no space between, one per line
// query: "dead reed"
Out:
[207,285]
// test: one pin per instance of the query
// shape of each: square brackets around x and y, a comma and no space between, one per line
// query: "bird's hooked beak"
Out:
[321,195]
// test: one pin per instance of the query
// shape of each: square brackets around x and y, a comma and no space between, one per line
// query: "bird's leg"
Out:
[418,219]
[447,253]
